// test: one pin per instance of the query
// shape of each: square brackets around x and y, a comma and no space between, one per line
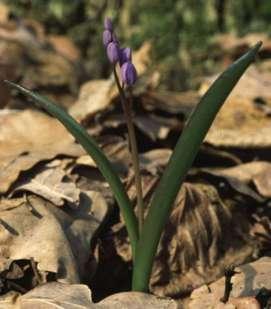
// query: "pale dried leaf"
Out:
[4,13]
[154,160]
[58,241]
[136,300]
[175,103]
[152,127]
[257,173]
[26,138]
[78,296]
[94,96]
[142,58]
[57,296]
[247,283]
[230,44]
[49,183]
[65,47]
[240,122]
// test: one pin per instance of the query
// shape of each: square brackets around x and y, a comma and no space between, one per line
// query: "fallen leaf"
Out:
[241,123]
[65,47]
[155,127]
[253,175]
[57,295]
[26,138]
[75,296]
[94,96]
[203,236]
[59,241]
[4,13]
[155,160]
[171,102]
[231,46]
[53,185]
[251,279]
[136,300]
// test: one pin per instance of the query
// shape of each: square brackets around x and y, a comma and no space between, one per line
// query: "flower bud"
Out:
[108,25]
[125,55]
[107,37]
[128,73]
[113,52]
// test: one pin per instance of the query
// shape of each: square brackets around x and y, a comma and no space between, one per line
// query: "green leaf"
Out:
[87,142]
[179,164]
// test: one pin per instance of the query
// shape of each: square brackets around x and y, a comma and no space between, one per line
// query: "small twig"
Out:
[229,273]
[127,108]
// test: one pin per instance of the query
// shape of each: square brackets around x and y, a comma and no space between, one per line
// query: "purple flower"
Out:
[108,25]
[125,55]
[113,52]
[128,73]
[107,37]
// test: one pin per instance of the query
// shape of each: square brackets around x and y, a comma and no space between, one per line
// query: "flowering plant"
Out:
[145,233]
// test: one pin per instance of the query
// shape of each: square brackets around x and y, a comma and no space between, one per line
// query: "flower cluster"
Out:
[116,54]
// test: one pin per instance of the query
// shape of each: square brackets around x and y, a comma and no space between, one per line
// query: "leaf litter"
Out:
[58,220]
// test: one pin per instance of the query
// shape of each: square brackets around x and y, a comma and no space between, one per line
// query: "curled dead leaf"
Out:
[26,138]
[59,241]
[53,185]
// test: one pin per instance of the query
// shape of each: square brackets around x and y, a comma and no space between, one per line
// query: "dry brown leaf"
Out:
[53,70]
[9,58]
[241,122]
[230,44]
[78,296]
[94,96]
[41,66]
[53,185]
[154,160]
[142,58]
[26,138]
[65,47]
[175,103]
[255,83]
[154,127]
[136,300]
[257,173]
[59,241]
[56,296]
[202,236]
[4,13]
[251,279]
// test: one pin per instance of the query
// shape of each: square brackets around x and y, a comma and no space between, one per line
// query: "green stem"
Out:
[127,108]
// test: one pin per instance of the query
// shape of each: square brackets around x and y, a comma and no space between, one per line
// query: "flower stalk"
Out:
[127,109]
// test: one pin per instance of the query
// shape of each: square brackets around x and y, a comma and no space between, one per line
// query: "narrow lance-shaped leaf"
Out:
[97,155]
[180,162]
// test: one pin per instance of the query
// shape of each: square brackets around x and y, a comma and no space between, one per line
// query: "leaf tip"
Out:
[9,83]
